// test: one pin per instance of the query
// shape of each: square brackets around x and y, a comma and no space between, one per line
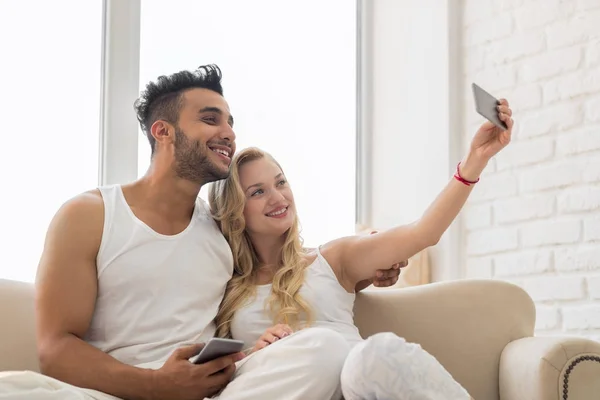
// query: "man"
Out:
[132,275]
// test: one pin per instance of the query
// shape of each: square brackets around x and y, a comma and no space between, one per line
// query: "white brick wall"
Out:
[534,219]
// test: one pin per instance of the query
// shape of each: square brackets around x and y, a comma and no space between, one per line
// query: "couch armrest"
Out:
[550,368]
[465,324]
[18,350]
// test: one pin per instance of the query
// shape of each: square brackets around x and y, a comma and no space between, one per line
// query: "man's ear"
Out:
[162,131]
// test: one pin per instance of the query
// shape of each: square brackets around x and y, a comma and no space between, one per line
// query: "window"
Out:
[289,75]
[50,102]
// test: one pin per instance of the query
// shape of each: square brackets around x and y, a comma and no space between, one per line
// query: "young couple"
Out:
[133,276]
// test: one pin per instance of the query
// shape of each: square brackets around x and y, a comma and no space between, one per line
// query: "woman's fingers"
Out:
[280,331]
[504,109]
[260,344]
[269,337]
[276,332]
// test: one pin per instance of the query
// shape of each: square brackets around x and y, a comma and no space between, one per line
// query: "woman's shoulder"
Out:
[330,251]
[335,248]
[309,255]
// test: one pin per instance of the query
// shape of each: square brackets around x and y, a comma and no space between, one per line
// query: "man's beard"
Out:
[192,161]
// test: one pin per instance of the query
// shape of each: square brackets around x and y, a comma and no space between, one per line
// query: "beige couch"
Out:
[481,331]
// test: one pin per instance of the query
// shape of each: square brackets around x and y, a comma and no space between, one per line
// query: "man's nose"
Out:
[228,134]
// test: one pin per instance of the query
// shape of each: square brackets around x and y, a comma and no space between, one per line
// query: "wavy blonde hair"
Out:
[227,202]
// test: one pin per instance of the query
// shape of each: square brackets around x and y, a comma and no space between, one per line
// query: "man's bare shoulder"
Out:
[74,236]
[90,199]
[81,214]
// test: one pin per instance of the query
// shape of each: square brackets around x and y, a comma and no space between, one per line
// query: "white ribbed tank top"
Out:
[331,304]
[156,292]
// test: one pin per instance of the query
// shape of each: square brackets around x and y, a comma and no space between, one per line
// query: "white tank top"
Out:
[331,304]
[156,292]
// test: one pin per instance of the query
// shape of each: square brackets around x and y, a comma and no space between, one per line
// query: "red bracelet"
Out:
[461,179]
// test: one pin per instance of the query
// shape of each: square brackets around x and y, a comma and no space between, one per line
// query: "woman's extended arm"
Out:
[359,257]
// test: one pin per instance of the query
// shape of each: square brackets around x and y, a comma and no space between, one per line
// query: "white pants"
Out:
[305,365]
[385,366]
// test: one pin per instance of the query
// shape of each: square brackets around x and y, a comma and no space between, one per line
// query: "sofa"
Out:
[480,330]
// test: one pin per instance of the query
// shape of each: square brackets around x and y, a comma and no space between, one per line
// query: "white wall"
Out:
[49,92]
[535,217]
[410,117]
[292,93]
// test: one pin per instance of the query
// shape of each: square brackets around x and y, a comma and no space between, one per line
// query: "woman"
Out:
[278,288]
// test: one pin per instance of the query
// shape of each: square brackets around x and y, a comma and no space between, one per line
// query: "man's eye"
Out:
[210,119]
[281,182]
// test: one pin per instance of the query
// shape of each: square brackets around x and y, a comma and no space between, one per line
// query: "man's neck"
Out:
[164,192]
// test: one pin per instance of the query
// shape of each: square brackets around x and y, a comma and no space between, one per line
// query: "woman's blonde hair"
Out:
[227,202]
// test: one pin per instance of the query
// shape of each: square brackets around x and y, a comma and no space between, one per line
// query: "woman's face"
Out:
[269,208]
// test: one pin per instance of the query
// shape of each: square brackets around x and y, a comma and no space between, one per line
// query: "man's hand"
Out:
[388,277]
[272,335]
[180,379]
[383,277]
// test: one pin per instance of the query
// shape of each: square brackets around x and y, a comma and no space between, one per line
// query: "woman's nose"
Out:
[276,197]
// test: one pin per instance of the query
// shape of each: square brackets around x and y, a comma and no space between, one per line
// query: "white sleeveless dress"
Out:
[384,366]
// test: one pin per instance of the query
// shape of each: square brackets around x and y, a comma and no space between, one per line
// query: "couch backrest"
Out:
[465,324]
[17,327]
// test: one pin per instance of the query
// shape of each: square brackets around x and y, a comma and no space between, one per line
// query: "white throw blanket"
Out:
[285,368]
[28,385]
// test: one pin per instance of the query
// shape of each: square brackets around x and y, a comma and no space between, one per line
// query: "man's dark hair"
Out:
[163,99]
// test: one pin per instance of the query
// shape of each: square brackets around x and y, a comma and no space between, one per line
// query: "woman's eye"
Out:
[259,191]
[281,182]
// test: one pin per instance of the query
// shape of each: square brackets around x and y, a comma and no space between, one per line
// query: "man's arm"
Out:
[66,289]
[383,277]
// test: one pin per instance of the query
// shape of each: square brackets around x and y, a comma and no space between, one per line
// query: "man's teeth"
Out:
[225,153]
[277,212]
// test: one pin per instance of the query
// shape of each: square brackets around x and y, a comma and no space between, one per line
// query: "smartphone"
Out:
[218,347]
[486,104]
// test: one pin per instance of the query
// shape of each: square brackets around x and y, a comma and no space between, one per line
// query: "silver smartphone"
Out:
[218,347]
[486,104]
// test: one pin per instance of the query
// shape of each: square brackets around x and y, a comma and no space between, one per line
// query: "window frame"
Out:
[118,151]
[119,130]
